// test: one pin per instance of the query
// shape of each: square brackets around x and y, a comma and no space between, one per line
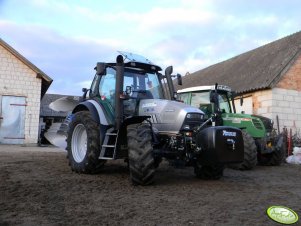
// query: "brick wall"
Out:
[284,100]
[287,97]
[16,79]
[262,103]
[292,79]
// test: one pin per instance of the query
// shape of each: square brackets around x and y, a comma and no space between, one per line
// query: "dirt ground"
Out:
[37,187]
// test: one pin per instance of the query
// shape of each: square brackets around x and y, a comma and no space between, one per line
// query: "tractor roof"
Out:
[204,88]
[136,60]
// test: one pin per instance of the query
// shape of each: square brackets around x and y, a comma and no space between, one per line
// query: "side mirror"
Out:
[85,91]
[179,78]
[214,101]
[213,97]
[168,70]
[100,68]
[161,76]
[128,90]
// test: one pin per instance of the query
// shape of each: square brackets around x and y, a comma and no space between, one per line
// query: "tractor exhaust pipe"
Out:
[119,91]
[168,72]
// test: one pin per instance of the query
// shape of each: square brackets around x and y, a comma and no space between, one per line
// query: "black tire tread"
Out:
[140,151]
[250,154]
[90,164]
[275,158]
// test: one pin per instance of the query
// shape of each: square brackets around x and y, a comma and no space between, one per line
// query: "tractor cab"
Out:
[209,99]
[140,80]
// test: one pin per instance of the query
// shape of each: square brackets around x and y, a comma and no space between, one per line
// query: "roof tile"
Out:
[257,69]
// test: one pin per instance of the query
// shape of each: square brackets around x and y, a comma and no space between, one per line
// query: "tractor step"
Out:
[111,134]
[108,146]
[108,149]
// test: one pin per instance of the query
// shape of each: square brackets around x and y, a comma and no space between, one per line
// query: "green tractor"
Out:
[262,145]
[126,115]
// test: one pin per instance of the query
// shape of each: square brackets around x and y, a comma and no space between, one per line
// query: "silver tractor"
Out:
[128,113]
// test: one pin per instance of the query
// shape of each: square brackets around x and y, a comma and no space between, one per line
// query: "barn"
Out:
[268,77]
[22,86]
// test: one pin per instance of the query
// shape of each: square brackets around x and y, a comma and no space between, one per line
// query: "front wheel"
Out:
[277,156]
[83,144]
[250,154]
[140,151]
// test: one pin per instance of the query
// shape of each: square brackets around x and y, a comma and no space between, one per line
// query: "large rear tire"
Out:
[83,144]
[140,151]
[250,154]
[209,172]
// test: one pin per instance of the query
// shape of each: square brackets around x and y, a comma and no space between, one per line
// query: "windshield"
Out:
[224,103]
[201,100]
[139,81]
[136,79]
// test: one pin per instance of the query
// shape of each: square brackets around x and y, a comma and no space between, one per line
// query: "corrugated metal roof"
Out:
[257,69]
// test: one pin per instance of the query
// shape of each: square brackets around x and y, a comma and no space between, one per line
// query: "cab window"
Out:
[107,86]
[94,85]
[201,100]
[184,97]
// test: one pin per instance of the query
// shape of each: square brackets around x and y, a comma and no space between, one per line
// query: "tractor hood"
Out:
[267,122]
[252,123]
[169,116]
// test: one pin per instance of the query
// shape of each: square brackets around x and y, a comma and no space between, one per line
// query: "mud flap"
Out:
[220,144]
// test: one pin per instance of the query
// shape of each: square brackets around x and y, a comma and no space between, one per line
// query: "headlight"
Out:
[194,116]
[186,127]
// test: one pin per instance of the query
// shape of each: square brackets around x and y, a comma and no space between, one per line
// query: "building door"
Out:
[12,120]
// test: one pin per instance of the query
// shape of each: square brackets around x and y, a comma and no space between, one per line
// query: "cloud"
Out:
[66,38]
[67,60]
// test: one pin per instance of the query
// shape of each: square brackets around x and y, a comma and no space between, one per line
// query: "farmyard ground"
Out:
[38,188]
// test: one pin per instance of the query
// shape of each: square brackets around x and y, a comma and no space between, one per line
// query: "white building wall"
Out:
[262,103]
[247,106]
[282,102]
[287,105]
[17,79]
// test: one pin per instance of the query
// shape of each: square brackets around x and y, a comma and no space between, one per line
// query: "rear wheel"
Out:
[83,144]
[140,150]
[209,172]
[250,154]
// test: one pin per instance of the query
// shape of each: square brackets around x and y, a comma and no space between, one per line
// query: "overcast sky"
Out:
[65,38]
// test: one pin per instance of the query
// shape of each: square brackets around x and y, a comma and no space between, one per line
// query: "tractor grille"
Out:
[193,120]
[155,118]
[257,124]
[268,123]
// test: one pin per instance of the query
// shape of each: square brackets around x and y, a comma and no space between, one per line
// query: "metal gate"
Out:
[12,119]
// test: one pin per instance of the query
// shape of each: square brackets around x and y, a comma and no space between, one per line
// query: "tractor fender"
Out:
[95,109]
[136,119]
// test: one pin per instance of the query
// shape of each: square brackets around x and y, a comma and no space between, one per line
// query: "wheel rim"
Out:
[79,143]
